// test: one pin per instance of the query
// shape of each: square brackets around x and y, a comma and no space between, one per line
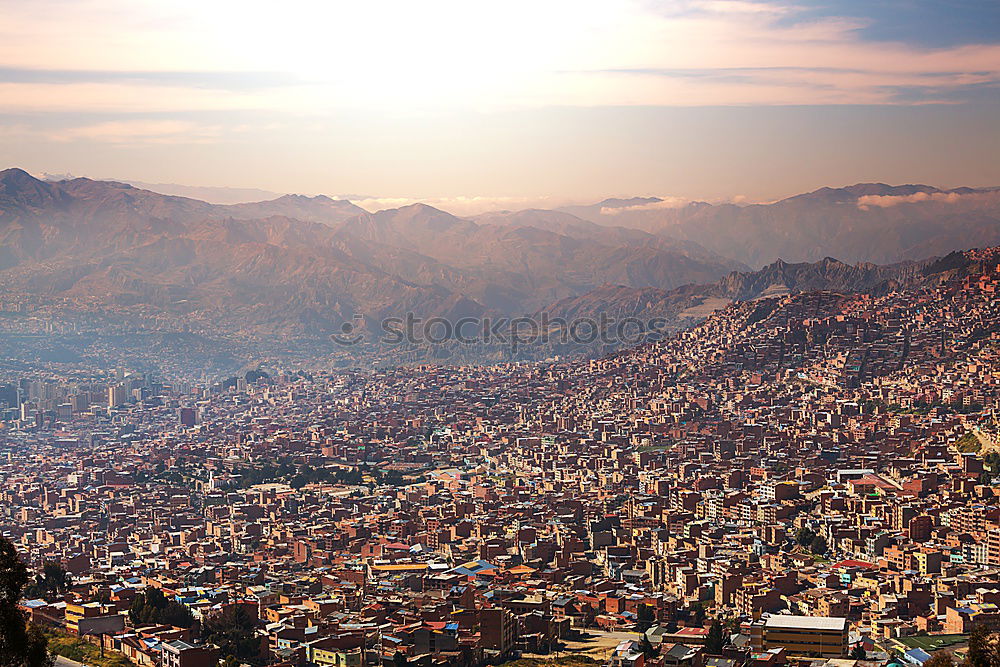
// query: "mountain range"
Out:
[867,222]
[300,267]
[296,255]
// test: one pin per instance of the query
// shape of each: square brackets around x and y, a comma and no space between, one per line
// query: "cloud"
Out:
[886,201]
[237,55]
[233,80]
[16,131]
[124,97]
[663,203]
[140,132]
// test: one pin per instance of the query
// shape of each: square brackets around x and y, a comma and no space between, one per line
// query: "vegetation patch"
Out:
[968,443]
[572,660]
[80,650]
[931,643]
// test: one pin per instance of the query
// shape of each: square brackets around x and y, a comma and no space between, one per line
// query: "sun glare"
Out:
[440,52]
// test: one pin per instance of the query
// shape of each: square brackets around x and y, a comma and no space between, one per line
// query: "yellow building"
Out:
[333,657]
[92,618]
[809,636]
[76,612]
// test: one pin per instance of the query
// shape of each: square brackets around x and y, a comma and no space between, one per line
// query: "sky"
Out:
[494,105]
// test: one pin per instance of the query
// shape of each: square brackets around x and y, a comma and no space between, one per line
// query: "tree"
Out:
[393,478]
[804,536]
[253,376]
[399,659]
[939,660]
[818,545]
[21,644]
[647,647]
[698,615]
[53,581]
[151,607]
[234,631]
[715,641]
[645,617]
[858,652]
[983,651]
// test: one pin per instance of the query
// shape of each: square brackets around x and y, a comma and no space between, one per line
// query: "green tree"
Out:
[647,647]
[804,536]
[253,376]
[698,615]
[818,545]
[939,660]
[21,644]
[151,607]
[983,651]
[858,652]
[645,617]
[53,581]
[393,478]
[233,630]
[715,641]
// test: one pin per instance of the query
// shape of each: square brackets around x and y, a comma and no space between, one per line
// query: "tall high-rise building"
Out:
[117,395]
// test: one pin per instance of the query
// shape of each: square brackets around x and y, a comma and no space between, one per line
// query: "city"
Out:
[801,479]
[535,333]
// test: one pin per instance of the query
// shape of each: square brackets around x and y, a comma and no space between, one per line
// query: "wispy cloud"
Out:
[222,81]
[452,96]
[141,132]
[448,54]
[663,203]
[886,201]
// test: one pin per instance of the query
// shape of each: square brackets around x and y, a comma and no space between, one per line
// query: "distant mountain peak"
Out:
[863,189]
[17,175]
[307,198]
[17,185]
[420,206]
[615,202]
[853,192]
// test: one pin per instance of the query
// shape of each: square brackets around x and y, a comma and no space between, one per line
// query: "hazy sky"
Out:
[542,100]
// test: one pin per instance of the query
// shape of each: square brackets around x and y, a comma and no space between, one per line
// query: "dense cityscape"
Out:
[535,333]
[801,479]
